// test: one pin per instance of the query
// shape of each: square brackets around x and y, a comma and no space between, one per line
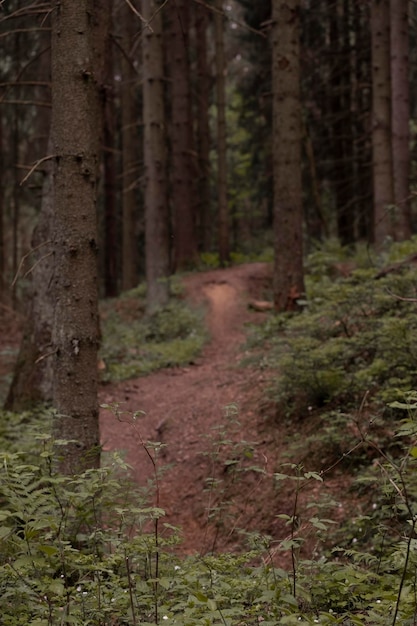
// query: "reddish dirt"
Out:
[191,409]
[186,410]
[183,407]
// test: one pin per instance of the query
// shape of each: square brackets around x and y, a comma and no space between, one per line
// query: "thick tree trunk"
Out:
[155,156]
[383,186]
[130,153]
[288,281]
[201,17]
[74,129]
[182,167]
[223,208]
[400,85]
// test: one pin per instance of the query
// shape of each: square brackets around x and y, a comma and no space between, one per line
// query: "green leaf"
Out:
[49,550]
[56,587]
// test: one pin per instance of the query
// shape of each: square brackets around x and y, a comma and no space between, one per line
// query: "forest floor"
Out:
[221,448]
[221,441]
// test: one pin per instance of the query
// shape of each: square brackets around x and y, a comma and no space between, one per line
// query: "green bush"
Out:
[356,336]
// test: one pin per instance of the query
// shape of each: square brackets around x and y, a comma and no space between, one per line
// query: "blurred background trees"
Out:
[190,170]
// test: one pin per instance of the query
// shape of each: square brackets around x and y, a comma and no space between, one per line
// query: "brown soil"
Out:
[186,408]
[203,414]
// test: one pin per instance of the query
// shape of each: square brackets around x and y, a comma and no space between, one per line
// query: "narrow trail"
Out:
[182,405]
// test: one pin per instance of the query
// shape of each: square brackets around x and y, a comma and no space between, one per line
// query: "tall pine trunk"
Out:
[202,87]
[288,280]
[74,132]
[182,166]
[155,156]
[223,209]
[383,186]
[130,151]
[400,85]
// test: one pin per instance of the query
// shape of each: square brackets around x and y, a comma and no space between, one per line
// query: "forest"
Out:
[208,289]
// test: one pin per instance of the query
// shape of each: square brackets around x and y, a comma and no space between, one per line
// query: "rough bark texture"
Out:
[288,283]
[74,128]
[223,209]
[400,85]
[130,152]
[181,135]
[111,239]
[202,88]
[341,123]
[155,156]
[383,187]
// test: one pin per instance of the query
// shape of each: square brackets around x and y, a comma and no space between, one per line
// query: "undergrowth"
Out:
[351,352]
[92,549]
[134,344]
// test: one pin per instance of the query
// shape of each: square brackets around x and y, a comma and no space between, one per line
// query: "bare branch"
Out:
[35,165]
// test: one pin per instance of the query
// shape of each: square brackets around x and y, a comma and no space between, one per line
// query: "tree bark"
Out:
[155,156]
[383,186]
[111,239]
[201,17]
[223,208]
[130,153]
[400,85]
[182,167]
[74,130]
[288,280]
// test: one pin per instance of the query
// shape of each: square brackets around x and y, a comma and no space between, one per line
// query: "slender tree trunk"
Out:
[109,161]
[74,130]
[203,129]
[223,208]
[288,281]
[383,186]
[182,167]
[362,117]
[155,156]
[129,158]
[400,85]
[2,198]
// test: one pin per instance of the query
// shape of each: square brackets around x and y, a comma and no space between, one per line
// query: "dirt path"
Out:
[182,405]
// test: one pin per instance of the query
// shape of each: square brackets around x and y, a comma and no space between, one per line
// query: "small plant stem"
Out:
[129,580]
[404,572]
[293,529]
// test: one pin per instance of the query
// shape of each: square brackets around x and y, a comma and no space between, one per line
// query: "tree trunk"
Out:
[130,152]
[74,130]
[109,162]
[383,187]
[202,127]
[2,205]
[400,85]
[155,156]
[182,168]
[223,208]
[288,281]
